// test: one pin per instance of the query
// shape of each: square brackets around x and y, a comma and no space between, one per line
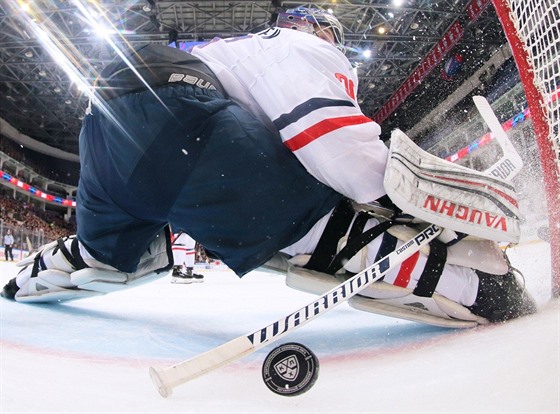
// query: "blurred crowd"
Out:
[17,213]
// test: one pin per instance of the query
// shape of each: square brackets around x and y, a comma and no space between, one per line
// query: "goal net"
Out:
[532,28]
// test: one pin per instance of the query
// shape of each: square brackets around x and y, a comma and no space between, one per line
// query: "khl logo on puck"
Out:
[290,369]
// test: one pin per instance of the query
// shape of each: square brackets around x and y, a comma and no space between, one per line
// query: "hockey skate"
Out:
[181,277]
[198,278]
[185,277]
[501,298]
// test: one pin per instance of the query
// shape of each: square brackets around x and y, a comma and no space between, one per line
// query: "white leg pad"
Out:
[106,281]
[385,299]
[51,285]
[479,254]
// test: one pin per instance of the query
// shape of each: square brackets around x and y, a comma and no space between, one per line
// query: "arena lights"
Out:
[149,6]
[66,56]
[36,192]
[25,6]
[52,45]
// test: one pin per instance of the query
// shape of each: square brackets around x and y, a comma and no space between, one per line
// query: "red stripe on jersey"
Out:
[406,270]
[322,128]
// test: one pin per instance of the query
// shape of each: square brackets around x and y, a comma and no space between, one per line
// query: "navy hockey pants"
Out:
[193,159]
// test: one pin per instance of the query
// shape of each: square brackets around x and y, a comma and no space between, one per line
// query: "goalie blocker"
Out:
[449,195]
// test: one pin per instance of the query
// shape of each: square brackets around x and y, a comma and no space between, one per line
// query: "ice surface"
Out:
[92,356]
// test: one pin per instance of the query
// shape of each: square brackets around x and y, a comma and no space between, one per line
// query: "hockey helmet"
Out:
[310,20]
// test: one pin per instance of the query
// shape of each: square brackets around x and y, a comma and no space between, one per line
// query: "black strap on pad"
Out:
[73,256]
[429,278]
[336,228]
[355,244]
[325,258]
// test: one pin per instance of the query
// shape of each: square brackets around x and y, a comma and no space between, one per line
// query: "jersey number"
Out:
[348,84]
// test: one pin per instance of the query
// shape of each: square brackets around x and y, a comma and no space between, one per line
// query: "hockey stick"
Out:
[168,378]
[509,165]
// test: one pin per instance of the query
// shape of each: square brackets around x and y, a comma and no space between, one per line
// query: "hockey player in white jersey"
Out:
[272,158]
[184,253]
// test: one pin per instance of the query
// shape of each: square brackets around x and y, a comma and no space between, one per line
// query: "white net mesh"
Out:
[533,31]
[538,23]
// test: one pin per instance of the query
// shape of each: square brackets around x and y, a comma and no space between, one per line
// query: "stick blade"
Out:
[509,165]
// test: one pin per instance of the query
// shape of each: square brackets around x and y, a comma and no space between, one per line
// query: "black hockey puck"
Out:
[290,369]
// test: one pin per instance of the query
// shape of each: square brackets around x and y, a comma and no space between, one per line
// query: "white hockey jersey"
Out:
[306,89]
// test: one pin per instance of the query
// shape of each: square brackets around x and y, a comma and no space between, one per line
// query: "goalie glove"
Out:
[63,270]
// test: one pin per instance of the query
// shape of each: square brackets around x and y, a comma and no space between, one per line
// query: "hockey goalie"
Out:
[256,147]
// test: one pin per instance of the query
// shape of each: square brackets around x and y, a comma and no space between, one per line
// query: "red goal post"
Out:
[532,28]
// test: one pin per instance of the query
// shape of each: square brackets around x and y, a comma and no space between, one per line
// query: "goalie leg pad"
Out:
[63,270]
[388,300]
[479,254]
[385,299]
[106,281]
[50,285]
